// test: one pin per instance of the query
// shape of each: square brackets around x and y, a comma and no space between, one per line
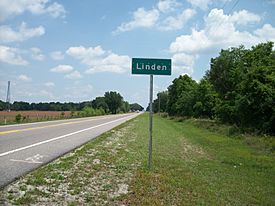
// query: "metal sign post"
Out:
[150,122]
[151,67]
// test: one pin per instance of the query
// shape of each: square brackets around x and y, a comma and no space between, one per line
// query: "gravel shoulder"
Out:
[97,173]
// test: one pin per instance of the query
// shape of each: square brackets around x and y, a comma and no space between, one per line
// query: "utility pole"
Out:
[8,100]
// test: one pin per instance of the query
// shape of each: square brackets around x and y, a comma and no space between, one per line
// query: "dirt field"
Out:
[30,116]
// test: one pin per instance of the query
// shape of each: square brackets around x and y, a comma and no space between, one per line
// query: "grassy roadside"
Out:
[194,166]
[191,166]
[23,117]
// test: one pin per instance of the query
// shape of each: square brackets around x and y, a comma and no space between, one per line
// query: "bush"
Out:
[18,118]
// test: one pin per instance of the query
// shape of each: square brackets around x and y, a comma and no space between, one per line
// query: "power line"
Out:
[221,20]
[234,6]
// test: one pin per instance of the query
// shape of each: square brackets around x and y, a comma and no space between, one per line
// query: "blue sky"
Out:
[53,50]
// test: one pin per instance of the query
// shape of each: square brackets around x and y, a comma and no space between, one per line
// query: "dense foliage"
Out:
[112,102]
[239,88]
[136,107]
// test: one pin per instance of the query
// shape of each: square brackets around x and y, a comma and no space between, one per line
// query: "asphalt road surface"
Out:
[26,147]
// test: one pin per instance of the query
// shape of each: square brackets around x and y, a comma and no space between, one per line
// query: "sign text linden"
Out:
[151,66]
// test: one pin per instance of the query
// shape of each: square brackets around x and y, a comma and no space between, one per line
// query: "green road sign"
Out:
[151,66]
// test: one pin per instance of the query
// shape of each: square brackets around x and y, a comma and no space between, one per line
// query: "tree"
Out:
[2,105]
[181,96]
[245,82]
[136,107]
[255,103]
[113,100]
[17,106]
[99,102]
[125,107]
[224,73]
[205,99]
[160,104]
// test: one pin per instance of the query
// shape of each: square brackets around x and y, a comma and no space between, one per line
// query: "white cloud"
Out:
[193,43]
[56,10]
[44,94]
[141,18]
[36,54]
[156,17]
[183,63]
[168,5]
[173,23]
[73,75]
[11,55]
[79,91]
[267,33]
[7,34]
[220,32]
[62,69]
[86,55]
[57,55]
[49,84]
[100,60]
[202,4]
[244,17]
[10,8]
[24,78]
[112,63]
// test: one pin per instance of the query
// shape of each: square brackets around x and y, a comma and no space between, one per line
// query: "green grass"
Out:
[195,166]
[194,163]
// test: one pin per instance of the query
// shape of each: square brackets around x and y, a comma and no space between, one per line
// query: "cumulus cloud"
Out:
[79,91]
[11,55]
[220,31]
[56,10]
[168,5]
[267,33]
[174,23]
[7,34]
[100,60]
[183,63]
[44,94]
[73,75]
[10,8]
[68,70]
[202,4]
[244,17]
[24,78]
[86,55]
[158,18]
[195,42]
[36,54]
[62,69]
[49,84]
[57,55]
[141,18]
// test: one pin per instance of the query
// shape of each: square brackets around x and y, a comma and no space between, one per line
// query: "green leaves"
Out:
[239,88]
[114,101]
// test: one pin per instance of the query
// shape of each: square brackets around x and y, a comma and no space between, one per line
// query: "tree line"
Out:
[239,88]
[112,102]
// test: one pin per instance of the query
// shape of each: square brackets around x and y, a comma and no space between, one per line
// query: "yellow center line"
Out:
[47,126]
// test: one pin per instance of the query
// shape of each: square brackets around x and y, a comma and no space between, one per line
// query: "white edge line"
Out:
[57,138]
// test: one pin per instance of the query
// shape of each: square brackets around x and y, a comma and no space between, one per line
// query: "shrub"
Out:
[18,118]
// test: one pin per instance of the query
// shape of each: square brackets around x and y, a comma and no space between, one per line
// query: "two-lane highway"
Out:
[28,146]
